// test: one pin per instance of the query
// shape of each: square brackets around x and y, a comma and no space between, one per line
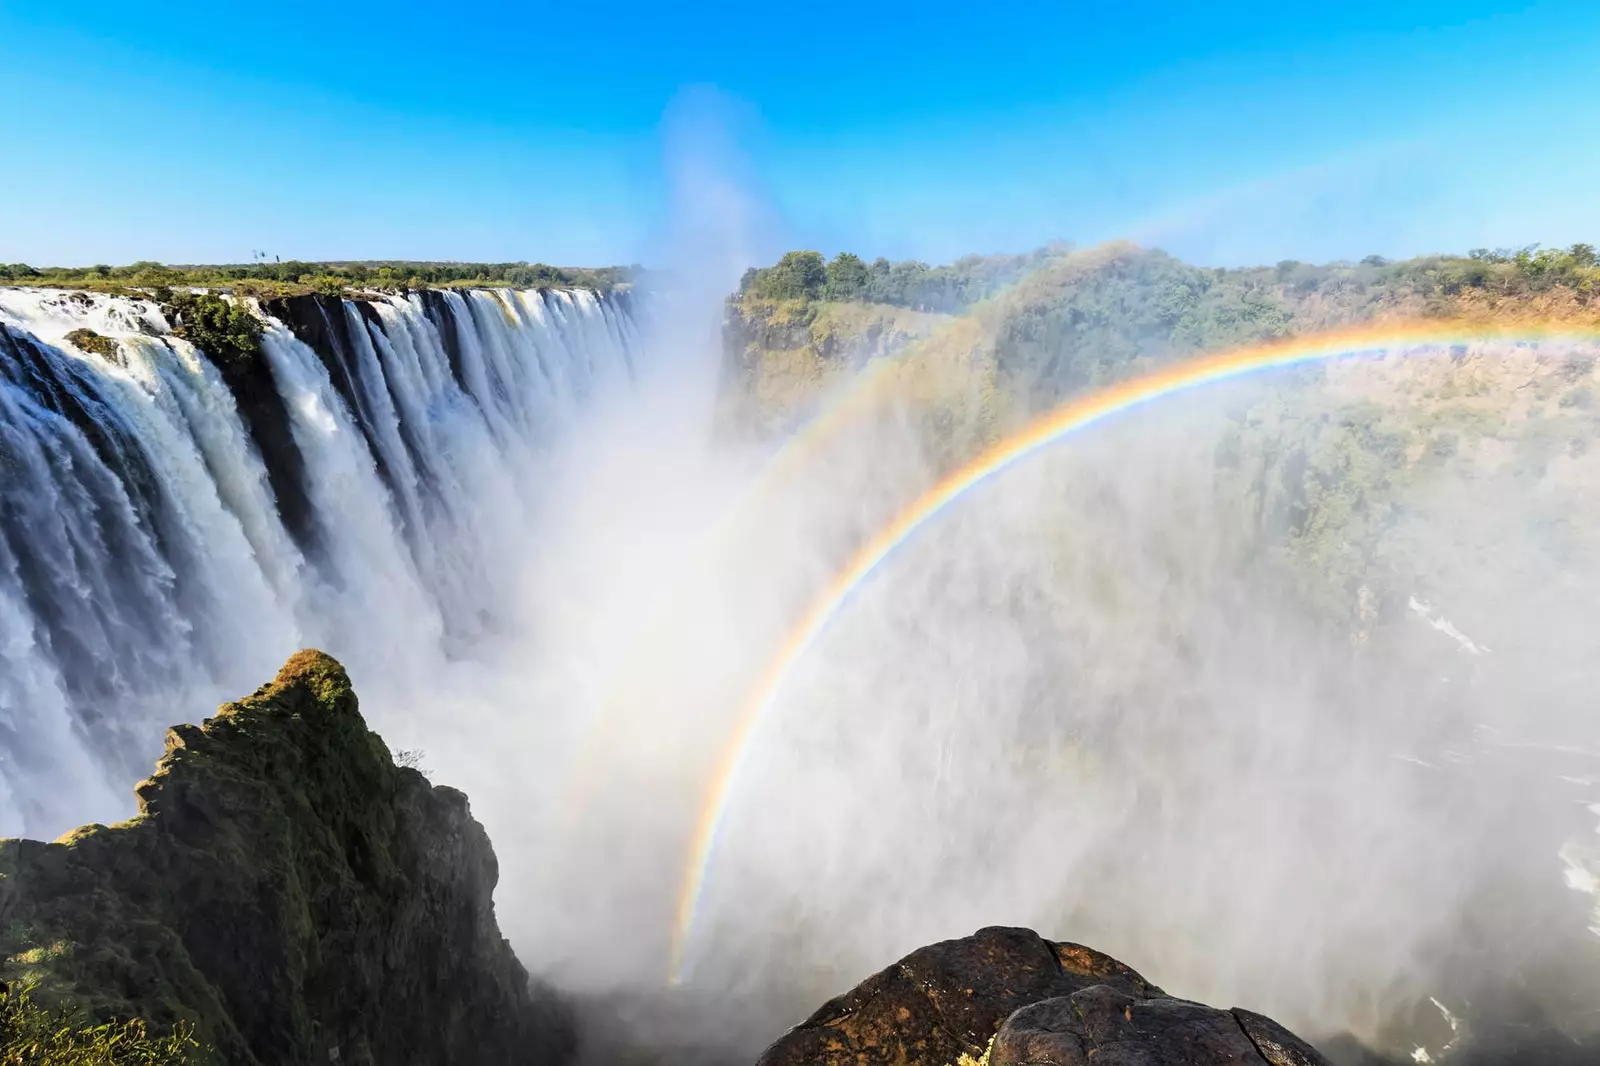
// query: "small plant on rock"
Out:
[34,1035]
[227,332]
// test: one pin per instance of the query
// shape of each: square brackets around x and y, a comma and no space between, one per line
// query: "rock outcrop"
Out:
[1021,1000]
[289,890]
[780,360]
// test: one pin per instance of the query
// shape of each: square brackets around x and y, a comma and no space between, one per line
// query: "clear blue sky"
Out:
[1228,132]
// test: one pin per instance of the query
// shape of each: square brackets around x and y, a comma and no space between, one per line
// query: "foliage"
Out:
[1090,318]
[848,278]
[294,276]
[33,1035]
[982,1060]
[804,276]
[226,331]
[797,276]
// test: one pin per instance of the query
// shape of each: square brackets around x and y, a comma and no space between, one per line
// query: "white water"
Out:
[148,575]
[467,518]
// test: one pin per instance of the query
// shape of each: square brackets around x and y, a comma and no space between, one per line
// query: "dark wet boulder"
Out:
[1016,999]
[1099,1026]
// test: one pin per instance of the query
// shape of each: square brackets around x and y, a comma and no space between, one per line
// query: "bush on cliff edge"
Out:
[34,1035]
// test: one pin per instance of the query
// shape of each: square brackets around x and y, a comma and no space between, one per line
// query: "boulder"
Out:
[1016,999]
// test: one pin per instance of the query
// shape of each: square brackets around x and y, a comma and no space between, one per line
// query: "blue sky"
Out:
[1227,132]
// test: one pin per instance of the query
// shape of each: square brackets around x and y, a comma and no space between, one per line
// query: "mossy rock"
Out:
[87,340]
[288,891]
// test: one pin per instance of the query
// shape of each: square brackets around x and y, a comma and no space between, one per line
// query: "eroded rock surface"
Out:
[1039,1003]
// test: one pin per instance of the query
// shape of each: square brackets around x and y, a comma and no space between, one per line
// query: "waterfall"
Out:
[171,528]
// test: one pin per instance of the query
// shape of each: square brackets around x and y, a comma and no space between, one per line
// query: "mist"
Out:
[1204,687]
[1097,698]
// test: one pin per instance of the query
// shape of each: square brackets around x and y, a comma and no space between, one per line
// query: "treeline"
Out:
[1085,321]
[292,276]
[805,275]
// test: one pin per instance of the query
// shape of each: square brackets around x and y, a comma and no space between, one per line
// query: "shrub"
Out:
[227,332]
[797,276]
[34,1035]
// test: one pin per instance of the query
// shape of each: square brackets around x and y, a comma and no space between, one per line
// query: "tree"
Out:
[847,277]
[1583,255]
[797,276]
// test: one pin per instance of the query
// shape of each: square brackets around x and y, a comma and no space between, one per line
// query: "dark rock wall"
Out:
[289,889]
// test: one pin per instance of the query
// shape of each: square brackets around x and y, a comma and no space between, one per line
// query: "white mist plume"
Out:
[1085,701]
[1088,699]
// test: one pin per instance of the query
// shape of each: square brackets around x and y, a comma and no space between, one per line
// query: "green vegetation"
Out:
[1057,320]
[804,275]
[88,340]
[34,1035]
[227,332]
[1327,480]
[295,277]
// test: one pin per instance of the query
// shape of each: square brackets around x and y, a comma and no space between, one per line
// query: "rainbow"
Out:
[853,400]
[1075,415]
[789,458]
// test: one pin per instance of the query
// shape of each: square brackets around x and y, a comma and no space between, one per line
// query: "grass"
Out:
[32,1034]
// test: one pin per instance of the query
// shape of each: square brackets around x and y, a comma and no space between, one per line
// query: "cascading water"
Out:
[1086,678]
[170,528]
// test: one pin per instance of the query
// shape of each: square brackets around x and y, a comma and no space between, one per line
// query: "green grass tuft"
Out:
[32,1034]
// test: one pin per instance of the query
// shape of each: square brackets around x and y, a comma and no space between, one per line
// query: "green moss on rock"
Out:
[227,332]
[287,890]
[88,340]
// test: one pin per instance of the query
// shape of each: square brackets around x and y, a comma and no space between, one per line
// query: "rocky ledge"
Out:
[1007,997]
[288,890]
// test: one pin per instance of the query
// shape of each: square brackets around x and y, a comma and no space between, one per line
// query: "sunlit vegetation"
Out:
[32,1034]
[805,275]
[87,340]
[228,332]
[1058,320]
[808,276]
[293,277]
[1326,481]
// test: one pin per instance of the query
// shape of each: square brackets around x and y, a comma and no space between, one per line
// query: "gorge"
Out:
[1150,692]
[173,524]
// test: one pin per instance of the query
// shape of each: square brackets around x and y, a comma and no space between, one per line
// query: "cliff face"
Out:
[290,890]
[779,358]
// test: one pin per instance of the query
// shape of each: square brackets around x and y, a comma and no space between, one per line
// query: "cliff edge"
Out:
[290,891]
